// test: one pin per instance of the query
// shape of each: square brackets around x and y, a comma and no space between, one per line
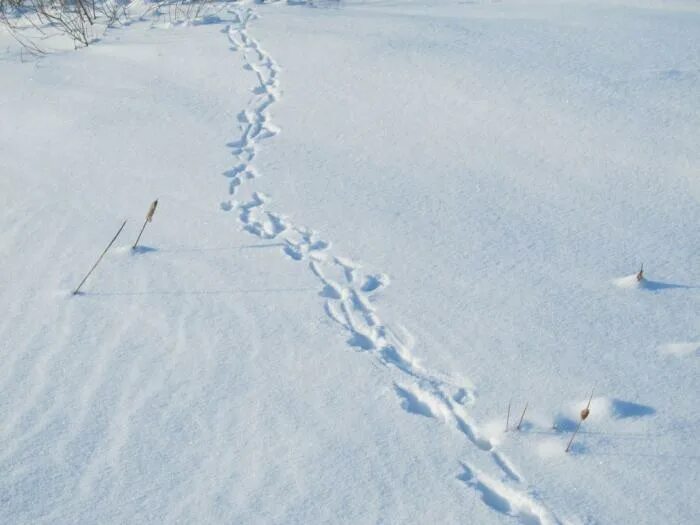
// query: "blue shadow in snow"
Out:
[143,249]
[622,409]
[656,286]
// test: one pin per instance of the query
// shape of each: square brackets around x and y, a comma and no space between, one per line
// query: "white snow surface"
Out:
[380,223]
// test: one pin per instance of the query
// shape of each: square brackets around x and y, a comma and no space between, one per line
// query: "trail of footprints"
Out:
[349,292]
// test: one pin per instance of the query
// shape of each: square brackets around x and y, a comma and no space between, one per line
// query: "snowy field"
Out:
[379,224]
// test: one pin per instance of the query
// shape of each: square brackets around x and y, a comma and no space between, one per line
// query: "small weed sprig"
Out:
[583,415]
[149,218]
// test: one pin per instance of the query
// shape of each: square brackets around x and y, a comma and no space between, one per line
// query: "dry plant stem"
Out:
[100,258]
[587,410]
[75,19]
[640,275]
[522,416]
[14,29]
[583,416]
[149,218]
[568,447]
[140,233]
[508,416]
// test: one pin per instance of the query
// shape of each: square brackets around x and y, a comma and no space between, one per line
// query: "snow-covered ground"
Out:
[379,224]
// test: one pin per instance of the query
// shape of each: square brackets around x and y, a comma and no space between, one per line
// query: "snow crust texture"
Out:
[349,292]
[269,373]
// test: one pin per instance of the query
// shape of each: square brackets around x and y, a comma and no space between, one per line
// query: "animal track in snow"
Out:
[349,294]
[302,242]
[412,403]
[505,500]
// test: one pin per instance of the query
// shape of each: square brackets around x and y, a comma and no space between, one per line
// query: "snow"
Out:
[680,349]
[379,223]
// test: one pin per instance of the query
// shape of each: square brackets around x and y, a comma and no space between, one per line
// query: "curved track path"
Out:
[348,293]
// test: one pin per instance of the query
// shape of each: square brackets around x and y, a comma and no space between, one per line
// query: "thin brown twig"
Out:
[522,416]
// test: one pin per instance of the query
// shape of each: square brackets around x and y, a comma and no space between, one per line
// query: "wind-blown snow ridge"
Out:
[349,292]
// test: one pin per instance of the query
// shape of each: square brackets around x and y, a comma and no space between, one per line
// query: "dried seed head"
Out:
[640,275]
[151,210]
[584,413]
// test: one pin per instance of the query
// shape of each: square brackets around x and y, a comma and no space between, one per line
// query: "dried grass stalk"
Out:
[149,218]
